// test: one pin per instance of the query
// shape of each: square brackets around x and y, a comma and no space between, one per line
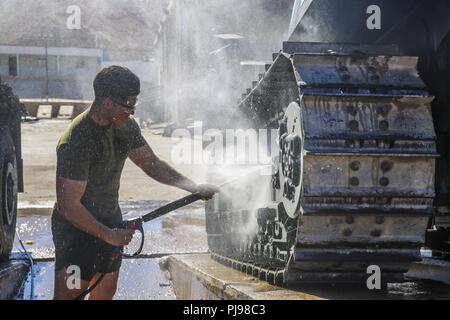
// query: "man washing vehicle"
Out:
[91,155]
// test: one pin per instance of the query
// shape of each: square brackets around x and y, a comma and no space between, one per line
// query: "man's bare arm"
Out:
[69,193]
[159,170]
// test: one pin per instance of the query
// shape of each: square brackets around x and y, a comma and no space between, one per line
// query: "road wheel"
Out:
[8,192]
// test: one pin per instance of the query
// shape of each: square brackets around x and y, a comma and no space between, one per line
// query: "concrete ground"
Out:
[180,232]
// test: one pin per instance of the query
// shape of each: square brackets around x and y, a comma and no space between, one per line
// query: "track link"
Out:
[353,181]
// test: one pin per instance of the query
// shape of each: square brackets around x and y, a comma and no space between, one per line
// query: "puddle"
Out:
[140,279]
[160,237]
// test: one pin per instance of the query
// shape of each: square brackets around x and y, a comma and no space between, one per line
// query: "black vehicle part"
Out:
[354,175]
[8,192]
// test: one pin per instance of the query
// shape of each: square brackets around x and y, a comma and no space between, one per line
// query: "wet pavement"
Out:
[182,231]
[166,235]
[179,233]
[198,277]
[140,279]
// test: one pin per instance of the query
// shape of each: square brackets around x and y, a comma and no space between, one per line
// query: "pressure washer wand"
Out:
[180,203]
[138,223]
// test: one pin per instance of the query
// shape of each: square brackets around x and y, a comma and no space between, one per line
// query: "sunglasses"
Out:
[130,109]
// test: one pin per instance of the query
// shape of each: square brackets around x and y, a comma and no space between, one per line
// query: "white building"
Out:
[40,56]
[56,72]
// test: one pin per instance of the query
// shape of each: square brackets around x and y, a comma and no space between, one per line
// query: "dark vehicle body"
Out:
[417,28]
[11,173]
[360,97]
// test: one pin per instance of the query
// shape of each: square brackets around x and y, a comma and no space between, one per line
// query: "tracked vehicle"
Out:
[359,95]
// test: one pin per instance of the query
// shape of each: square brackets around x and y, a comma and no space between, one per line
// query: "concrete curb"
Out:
[198,277]
[430,269]
[40,209]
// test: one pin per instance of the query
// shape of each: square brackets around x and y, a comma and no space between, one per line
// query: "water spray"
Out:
[138,223]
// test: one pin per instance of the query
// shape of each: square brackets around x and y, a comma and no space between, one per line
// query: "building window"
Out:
[13,72]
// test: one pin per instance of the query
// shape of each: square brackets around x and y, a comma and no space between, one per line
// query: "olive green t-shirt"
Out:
[97,154]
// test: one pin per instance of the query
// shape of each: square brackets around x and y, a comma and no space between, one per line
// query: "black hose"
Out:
[171,207]
[30,258]
[83,295]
